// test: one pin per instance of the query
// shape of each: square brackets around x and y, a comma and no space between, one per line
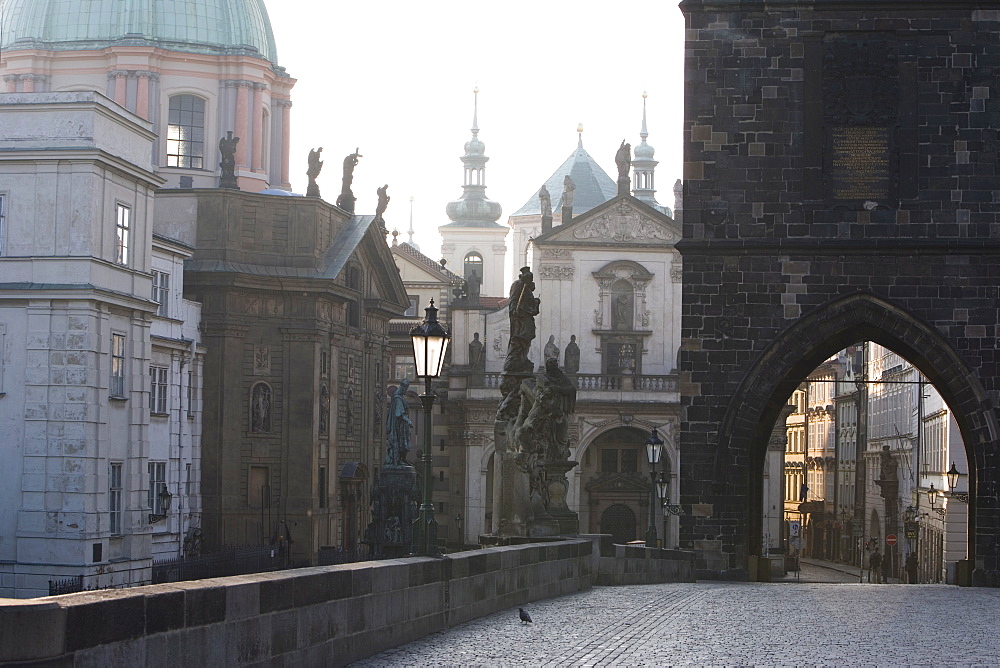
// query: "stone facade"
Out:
[840,185]
[79,334]
[296,306]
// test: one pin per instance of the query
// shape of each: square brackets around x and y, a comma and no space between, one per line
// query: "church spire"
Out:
[410,231]
[474,208]
[643,165]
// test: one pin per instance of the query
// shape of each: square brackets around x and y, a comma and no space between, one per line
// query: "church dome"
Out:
[644,151]
[223,27]
[475,146]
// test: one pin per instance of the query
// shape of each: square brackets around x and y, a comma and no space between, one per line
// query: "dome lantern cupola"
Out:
[473,208]
[643,165]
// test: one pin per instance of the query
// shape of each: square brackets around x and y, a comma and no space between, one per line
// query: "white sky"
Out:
[395,79]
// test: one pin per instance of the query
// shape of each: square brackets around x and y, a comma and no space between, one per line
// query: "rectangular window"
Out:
[186,132]
[322,487]
[161,291]
[118,365]
[157,483]
[630,461]
[412,310]
[115,497]
[187,479]
[3,220]
[158,390]
[123,227]
[190,394]
[609,460]
[258,490]
[404,367]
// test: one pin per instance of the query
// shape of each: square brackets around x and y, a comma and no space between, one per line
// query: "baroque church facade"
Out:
[182,367]
[608,278]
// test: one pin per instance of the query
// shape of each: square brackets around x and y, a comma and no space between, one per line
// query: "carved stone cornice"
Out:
[557,272]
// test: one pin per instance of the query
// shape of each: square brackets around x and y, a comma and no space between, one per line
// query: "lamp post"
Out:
[663,492]
[430,342]
[654,445]
[953,474]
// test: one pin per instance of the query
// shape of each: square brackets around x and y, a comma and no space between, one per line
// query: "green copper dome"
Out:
[197,26]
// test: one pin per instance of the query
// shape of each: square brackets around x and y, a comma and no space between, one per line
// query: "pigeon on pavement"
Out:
[525,617]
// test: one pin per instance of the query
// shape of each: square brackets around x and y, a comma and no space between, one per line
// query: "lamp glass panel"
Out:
[420,355]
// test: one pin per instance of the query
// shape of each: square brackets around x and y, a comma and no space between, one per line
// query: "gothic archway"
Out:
[766,388]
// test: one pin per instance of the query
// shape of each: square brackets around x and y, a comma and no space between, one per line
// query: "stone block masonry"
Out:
[840,185]
[325,616]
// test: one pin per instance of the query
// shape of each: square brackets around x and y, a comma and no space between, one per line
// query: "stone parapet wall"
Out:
[322,616]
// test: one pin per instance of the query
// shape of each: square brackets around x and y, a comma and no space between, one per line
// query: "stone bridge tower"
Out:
[840,185]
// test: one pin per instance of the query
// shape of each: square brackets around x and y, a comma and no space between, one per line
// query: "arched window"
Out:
[473,263]
[354,278]
[186,132]
[260,408]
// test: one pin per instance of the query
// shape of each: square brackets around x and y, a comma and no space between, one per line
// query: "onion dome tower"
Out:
[473,241]
[643,186]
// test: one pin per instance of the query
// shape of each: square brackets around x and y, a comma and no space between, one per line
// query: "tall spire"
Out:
[410,231]
[474,209]
[579,135]
[643,165]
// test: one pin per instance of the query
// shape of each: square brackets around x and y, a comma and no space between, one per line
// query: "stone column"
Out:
[258,126]
[121,86]
[242,110]
[29,83]
[142,96]
[286,137]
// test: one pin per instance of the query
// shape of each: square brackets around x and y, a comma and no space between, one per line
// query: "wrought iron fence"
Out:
[330,555]
[66,585]
[230,560]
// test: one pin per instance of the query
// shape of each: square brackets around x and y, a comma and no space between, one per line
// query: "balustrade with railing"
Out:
[589,382]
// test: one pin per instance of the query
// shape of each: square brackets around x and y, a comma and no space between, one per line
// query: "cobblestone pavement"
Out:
[730,624]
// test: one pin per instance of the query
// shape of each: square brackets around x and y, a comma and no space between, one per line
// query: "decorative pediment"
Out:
[625,222]
[618,482]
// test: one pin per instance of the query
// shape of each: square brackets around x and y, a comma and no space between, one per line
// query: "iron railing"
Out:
[230,560]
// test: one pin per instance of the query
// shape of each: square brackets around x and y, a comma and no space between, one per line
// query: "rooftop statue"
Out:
[315,166]
[546,201]
[623,160]
[346,200]
[227,147]
[383,203]
[567,193]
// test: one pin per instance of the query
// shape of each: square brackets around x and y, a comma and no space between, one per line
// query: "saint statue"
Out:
[521,309]
[623,160]
[567,193]
[347,199]
[551,350]
[383,203]
[476,350]
[227,147]
[572,363]
[397,427]
[260,409]
[473,284]
[315,166]
[545,200]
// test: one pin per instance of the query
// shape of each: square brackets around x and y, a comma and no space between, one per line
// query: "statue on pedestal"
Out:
[623,160]
[545,200]
[397,427]
[551,350]
[476,358]
[227,147]
[315,166]
[572,359]
[346,199]
[567,194]
[383,204]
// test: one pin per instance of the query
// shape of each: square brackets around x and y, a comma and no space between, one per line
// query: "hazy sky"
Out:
[395,79]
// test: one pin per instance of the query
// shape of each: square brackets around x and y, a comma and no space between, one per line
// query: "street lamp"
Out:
[654,445]
[430,342]
[932,496]
[953,474]
[663,492]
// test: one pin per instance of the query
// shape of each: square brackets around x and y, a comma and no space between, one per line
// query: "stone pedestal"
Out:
[569,521]
[395,501]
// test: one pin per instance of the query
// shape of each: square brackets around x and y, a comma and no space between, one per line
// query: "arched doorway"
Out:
[614,472]
[619,521]
[764,392]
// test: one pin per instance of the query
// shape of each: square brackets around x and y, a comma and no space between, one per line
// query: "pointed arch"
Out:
[777,371]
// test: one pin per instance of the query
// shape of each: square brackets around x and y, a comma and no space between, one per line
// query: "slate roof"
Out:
[593,186]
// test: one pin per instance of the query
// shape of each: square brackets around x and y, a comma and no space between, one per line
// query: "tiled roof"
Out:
[427,262]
